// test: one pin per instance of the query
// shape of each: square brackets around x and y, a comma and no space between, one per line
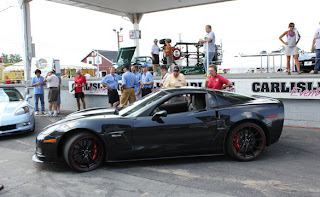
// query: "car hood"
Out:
[307,56]
[89,113]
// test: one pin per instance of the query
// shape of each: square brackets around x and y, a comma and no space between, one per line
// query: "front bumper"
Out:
[23,125]
[45,152]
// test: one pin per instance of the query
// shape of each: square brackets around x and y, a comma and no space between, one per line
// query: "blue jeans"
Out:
[317,65]
[211,54]
[36,99]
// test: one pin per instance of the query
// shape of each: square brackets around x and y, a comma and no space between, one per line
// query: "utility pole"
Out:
[117,32]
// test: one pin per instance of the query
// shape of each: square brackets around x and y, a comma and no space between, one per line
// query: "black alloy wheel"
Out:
[84,152]
[246,142]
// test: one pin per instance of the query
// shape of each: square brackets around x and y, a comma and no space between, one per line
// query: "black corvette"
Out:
[176,122]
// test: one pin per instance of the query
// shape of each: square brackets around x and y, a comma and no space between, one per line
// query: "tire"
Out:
[246,142]
[84,152]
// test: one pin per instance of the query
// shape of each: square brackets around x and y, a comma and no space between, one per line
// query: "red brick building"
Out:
[103,57]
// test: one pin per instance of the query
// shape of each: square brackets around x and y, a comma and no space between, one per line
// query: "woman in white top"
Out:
[291,48]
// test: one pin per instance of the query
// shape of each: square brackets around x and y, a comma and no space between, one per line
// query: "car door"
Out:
[183,129]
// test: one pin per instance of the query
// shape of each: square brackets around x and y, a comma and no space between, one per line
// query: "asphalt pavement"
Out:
[287,168]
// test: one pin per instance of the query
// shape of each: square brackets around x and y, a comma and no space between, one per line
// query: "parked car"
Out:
[141,60]
[307,62]
[16,114]
[173,122]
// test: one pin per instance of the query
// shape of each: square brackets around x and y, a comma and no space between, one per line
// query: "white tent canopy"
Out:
[78,65]
[14,67]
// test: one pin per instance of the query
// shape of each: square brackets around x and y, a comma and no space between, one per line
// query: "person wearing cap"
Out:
[155,56]
[215,81]
[176,79]
[137,91]
[169,53]
[208,46]
[80,82]
[53,84]
[316,40]
[127,87]
[110,81]
[38,83]
[164,74]
[146,81]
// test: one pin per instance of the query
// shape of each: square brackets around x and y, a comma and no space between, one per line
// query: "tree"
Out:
[11,58]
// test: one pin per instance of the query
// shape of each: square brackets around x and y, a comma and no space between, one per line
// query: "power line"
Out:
[7,8]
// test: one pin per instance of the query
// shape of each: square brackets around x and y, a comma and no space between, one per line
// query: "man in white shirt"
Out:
[316,40]
[208,46]
[87,75]
[53,84]
[155,56]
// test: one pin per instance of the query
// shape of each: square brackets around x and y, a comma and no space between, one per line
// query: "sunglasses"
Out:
[291,26]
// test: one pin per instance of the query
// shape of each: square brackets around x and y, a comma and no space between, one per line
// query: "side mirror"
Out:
[28,97]
[156,116]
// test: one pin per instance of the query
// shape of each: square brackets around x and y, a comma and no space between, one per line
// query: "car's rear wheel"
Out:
[246,142]
[84,152]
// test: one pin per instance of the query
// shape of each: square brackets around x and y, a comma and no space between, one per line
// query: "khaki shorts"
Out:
[127,95]
[53,94]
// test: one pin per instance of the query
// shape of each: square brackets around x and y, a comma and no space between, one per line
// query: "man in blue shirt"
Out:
[136,87]
[111,83]
[37,83]
[127,87]
[146,81]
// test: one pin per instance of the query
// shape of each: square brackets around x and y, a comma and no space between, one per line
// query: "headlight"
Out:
[22,110]
[50,130]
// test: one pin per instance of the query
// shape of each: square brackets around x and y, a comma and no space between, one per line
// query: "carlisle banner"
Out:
[289,88]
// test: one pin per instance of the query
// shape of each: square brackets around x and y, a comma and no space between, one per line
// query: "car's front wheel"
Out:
[84,152]
[246,142]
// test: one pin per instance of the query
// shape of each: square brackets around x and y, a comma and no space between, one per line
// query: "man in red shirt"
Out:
[215,81]
[80,82]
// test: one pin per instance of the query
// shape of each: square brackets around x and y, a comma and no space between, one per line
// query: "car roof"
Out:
[184,88]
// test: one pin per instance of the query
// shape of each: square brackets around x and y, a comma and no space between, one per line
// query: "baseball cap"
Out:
[155,40]
[176,70]
[144,65]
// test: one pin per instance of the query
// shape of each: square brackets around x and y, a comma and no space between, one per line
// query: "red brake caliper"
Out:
[94,151]
[236,141]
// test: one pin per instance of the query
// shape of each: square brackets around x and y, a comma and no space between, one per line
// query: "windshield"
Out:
[140,105]
[10,95]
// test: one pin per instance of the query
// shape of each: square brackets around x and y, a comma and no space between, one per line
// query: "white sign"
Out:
[294,88]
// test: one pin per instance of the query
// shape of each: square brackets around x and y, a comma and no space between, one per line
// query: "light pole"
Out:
[118,36]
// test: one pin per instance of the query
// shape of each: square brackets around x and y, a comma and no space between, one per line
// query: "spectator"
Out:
[215,81]
[164,74]
[80,82]
[169,54]
[38,83]
[176,79]
[59,98]
[87,75]
[137,91]
[155,56]
[127,87]
[291,48]
[208,47]
[110,81]
[146,81]
[316,40]
[53,84]
[7,80]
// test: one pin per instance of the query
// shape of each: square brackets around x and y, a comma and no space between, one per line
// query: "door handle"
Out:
[217,114]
